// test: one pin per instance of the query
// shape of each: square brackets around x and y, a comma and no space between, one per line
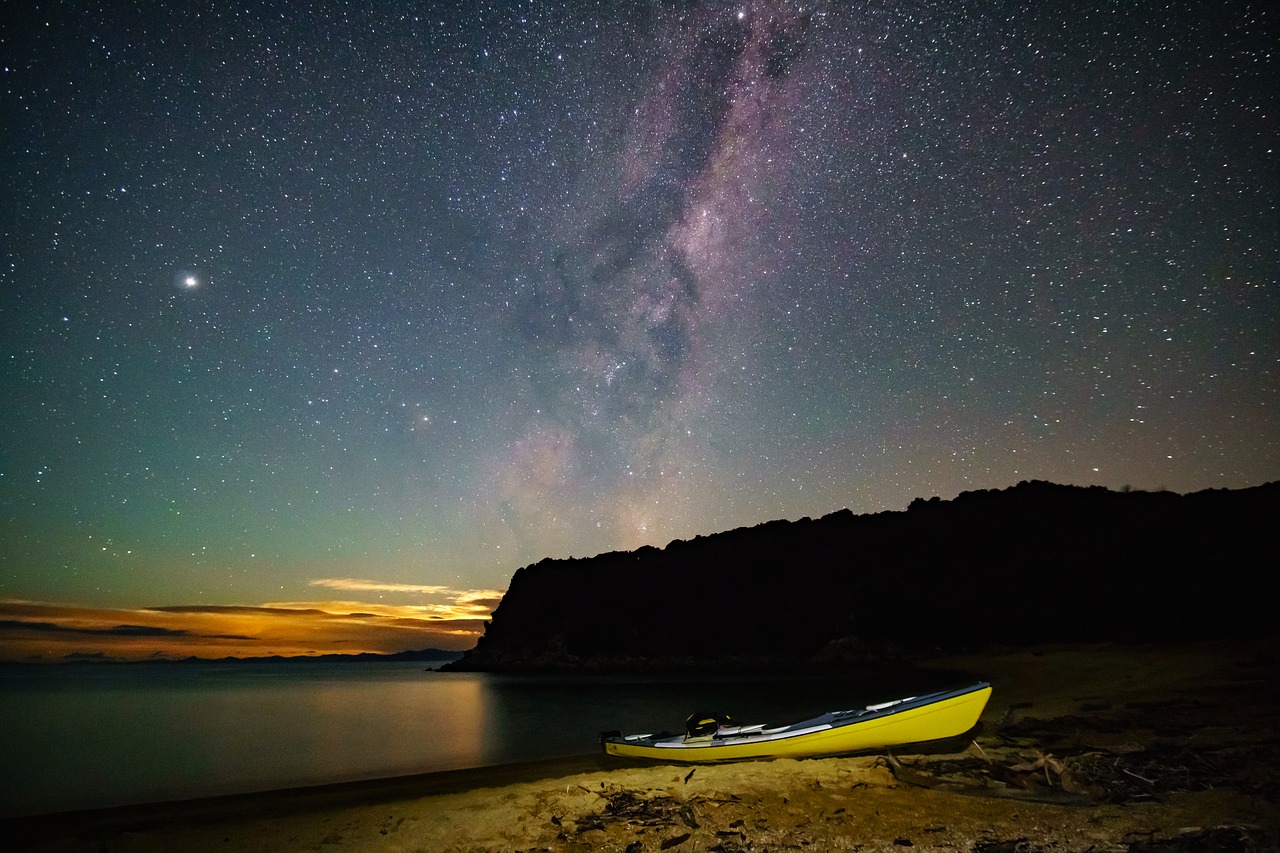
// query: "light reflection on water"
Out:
[90,737]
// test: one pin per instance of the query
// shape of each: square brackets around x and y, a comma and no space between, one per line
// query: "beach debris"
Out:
[1078,774]
[729,843]
[1225,838]
[977,778]
[1048,762]
[623,806]
[1013,845]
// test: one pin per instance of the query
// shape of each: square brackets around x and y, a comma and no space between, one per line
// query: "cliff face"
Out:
[1037,562]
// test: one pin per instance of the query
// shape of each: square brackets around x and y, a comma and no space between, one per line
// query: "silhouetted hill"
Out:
[1037,562]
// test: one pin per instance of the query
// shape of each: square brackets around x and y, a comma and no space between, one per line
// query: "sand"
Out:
[1107,747]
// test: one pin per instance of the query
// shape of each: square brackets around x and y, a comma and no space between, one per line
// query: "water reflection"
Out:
[90,737]
[415,725]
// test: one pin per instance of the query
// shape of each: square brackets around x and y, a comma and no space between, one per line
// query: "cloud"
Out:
[21,625]
[115,631]
[146,631]
[473,605]
[358,585]
[237,609]
[49,631]
[459,603]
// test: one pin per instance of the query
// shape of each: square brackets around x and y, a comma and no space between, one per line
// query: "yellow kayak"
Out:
[911,720]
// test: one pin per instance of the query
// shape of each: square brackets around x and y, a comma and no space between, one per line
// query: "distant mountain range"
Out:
[420,656]
[1034,563]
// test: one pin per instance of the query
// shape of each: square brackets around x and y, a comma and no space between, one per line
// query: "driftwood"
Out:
[628,807]
[976,778]
[1065,761]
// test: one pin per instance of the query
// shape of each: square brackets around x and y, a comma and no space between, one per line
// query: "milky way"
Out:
[638,309]
[404,298]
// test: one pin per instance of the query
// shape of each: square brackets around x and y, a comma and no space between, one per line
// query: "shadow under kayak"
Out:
[915,719]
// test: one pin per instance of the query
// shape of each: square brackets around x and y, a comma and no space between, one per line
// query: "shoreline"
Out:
[278,802]
[1061,706]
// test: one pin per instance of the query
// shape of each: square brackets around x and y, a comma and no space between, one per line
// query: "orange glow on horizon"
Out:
[50,632]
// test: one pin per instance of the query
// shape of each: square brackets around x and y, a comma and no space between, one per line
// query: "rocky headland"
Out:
[1034,563]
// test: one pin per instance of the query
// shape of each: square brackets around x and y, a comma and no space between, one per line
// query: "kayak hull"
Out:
[912,720]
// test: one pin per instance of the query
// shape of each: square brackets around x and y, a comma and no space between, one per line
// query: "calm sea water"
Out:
[95,736]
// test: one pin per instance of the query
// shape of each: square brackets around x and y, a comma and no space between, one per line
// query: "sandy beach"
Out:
[1107,747]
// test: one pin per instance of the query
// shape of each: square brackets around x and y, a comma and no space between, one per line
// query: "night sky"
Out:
[319,320]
